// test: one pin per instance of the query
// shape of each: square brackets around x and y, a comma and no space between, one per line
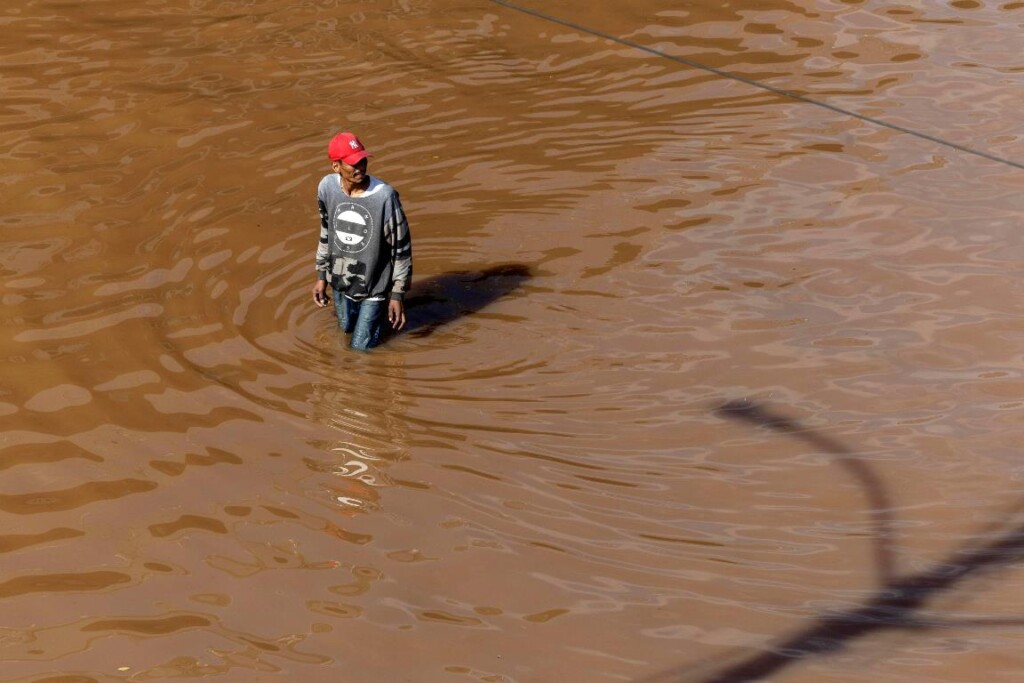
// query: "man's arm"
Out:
[401,252]
[323,257]
[401,271]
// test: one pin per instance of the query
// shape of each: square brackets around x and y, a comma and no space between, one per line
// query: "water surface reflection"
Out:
[200,481]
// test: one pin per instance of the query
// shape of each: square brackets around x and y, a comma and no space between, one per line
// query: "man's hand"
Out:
[320,297]
[396,314]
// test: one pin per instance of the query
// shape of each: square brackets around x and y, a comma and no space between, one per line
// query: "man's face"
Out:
[354,174]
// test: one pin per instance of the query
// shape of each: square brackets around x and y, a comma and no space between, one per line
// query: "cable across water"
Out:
[757,84]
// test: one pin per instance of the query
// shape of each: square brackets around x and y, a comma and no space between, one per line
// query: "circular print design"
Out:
[353,228]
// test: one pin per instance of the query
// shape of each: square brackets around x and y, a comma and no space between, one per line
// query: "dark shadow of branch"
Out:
[874,488]
[895,604]
[442,299]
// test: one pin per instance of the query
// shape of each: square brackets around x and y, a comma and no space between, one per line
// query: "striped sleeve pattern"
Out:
[323,249]
[401,250]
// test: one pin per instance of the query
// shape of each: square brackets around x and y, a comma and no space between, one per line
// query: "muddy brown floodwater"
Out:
[535,483]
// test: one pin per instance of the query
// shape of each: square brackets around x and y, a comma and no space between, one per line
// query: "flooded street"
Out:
[536,482]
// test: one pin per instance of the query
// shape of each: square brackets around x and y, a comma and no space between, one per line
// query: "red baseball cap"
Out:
[347,148]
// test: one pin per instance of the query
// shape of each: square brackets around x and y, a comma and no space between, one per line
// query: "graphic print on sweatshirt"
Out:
[353,228]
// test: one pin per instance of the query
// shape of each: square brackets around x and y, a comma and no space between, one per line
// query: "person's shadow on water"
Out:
[441,299]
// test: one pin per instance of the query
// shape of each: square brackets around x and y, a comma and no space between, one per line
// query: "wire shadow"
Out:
[898,599]
[442,299]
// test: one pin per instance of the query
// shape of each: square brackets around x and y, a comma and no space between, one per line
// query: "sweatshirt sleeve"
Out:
[401,250]
[323,249]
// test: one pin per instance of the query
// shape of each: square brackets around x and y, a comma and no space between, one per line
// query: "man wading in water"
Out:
[365,250]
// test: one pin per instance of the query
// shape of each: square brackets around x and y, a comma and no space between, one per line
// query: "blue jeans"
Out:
[364,320]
